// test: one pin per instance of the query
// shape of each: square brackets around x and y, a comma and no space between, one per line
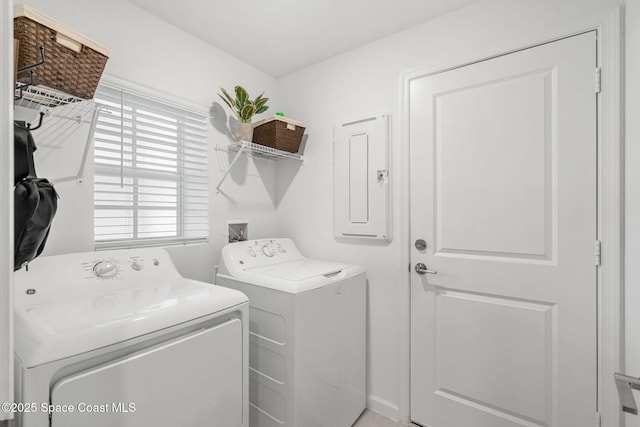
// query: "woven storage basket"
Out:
[279,132]
[73,63]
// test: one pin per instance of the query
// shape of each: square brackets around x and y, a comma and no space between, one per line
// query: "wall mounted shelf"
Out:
[62,114]
[257,150]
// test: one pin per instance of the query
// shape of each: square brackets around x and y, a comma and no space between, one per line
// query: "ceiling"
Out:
[283,36]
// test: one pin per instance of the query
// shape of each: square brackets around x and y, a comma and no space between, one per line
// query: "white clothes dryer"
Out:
[120,338]
[307,334]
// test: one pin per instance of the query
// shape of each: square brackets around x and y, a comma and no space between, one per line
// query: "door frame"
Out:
[610,223]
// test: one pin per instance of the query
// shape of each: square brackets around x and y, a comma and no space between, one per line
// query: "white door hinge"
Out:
[598,252]
[598,419]
[598,79]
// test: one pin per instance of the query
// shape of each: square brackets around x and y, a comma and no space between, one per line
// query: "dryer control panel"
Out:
[70,274]
[118,267]
[125,264]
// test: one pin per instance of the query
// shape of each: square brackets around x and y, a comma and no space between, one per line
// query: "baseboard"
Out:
[385,408]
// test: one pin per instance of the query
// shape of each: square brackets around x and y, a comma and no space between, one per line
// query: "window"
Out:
[151,180]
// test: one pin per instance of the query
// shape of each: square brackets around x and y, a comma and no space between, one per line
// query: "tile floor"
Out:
[371,419]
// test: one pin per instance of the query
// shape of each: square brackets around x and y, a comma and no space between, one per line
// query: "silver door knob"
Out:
[422,269]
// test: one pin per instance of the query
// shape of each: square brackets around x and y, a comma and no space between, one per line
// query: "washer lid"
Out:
[295,277]
[59,319]
[301,269]
[277,264]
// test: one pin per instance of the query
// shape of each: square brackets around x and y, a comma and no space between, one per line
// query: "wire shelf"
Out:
[263,151]
[32,96]
[54,103]
[63,115]
[257,150]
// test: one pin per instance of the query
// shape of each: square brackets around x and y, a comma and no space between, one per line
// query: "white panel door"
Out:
[503,192]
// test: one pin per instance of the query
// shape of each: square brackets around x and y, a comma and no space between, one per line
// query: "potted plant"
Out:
[244,109]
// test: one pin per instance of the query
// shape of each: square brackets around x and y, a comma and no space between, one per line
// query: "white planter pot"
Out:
[244,132]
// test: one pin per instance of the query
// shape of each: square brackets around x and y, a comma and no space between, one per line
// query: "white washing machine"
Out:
[119,338]
[307,334]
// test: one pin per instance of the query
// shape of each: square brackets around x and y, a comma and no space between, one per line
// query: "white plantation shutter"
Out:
[151,179]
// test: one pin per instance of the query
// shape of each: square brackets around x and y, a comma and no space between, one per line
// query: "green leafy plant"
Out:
[243,107]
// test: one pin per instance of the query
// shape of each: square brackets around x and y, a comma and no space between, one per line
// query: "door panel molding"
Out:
[608,24]
[508,240]
[534,333]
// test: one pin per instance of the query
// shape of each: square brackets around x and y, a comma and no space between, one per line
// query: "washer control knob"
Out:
[137,266]
[105,270]
[252,253]
[267,251]
[282,250]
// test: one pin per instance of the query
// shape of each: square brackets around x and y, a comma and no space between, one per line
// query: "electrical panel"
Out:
[361,179]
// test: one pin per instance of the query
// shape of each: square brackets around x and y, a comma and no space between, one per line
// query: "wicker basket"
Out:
[73,63]
[279,132]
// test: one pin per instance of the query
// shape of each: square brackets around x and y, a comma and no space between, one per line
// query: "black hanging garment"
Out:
[35,201]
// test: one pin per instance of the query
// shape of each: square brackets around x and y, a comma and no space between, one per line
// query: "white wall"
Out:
[367,80]
[6,211]
[151,53]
